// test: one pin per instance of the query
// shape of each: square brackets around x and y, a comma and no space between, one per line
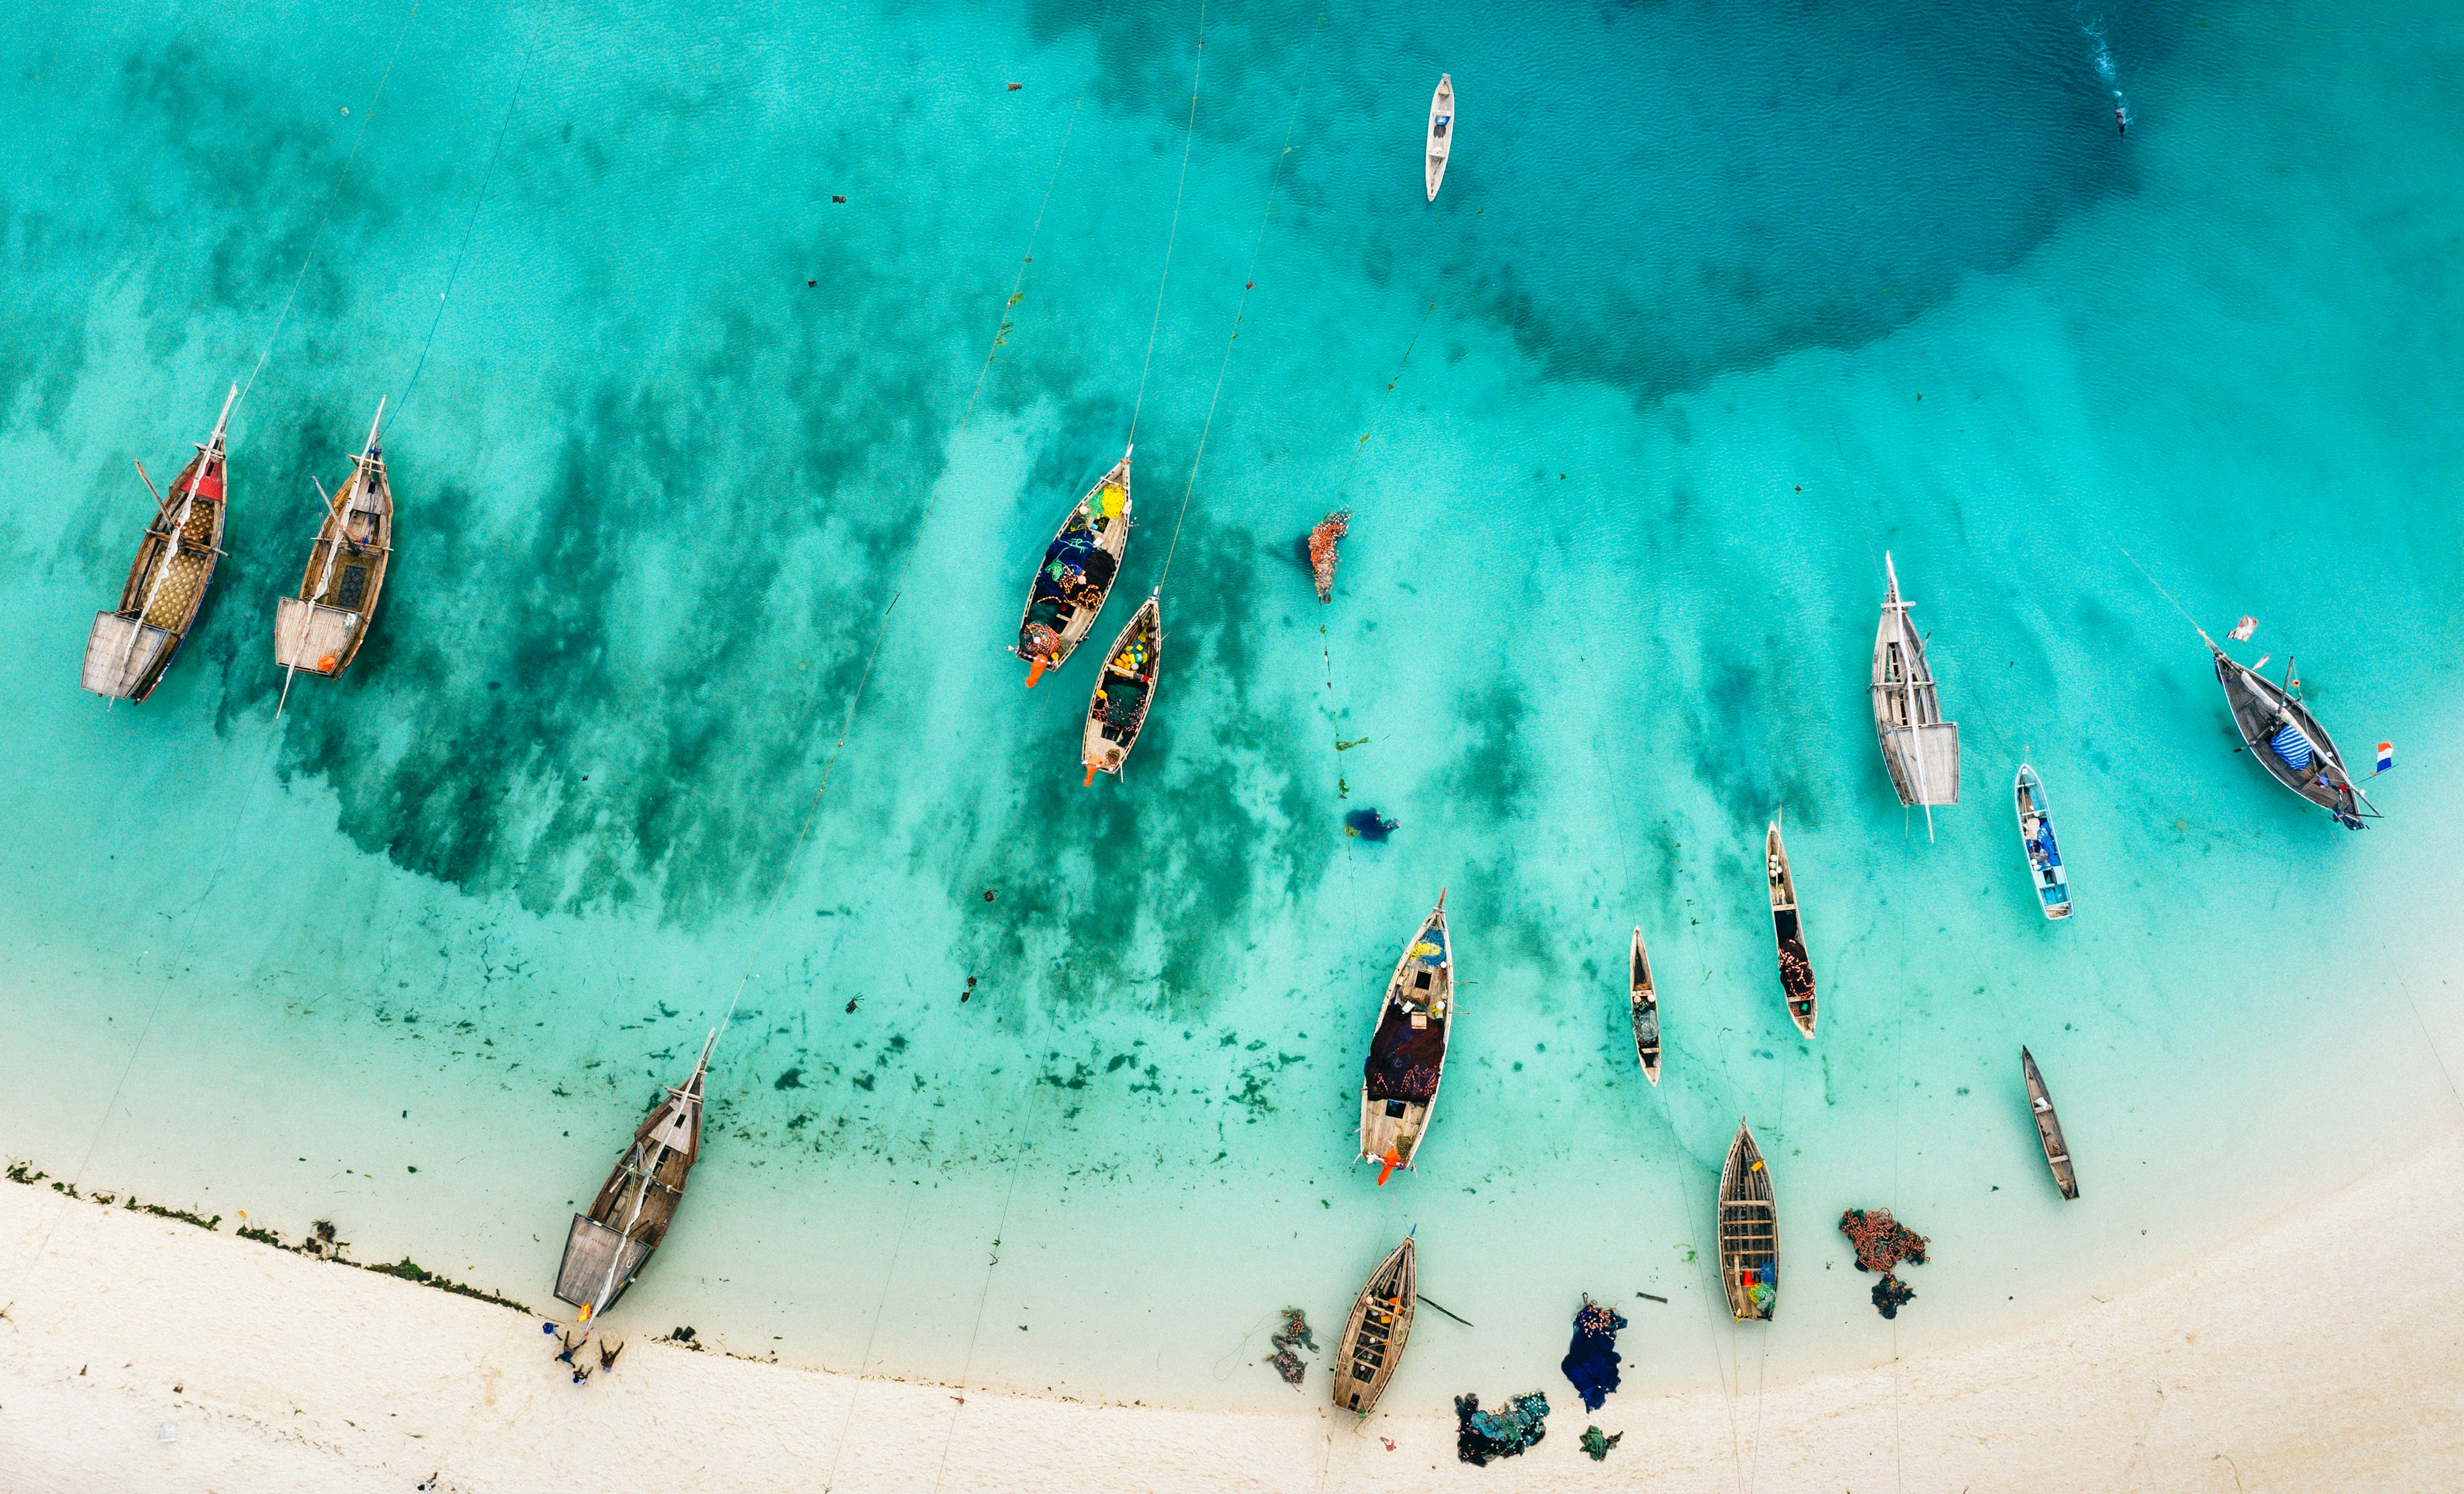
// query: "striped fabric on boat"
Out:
[2292,746]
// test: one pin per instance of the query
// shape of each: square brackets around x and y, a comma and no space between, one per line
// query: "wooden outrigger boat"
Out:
[1077,573]
[1374,1335]
[1918,747]
[1787,932]
[1748,1231]
[1407,1049]
[1645,1011]
[321,628]
[2049,1127]
[1124,691]
[130,647]
[2287,741]
[1442,131]
[2045,870]
[607,1247]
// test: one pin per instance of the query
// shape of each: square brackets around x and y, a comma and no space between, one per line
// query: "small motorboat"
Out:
[1442,131]
[2045,869]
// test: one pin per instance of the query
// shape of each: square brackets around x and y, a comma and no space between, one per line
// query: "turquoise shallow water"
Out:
[1712,312]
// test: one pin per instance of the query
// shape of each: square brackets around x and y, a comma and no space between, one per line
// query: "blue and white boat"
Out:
[2053,881]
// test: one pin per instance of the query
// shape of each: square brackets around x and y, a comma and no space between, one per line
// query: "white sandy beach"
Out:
[2323,1351]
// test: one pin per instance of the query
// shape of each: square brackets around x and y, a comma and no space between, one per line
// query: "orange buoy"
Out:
[1035,669]
[1393,1161]
[325,664]
[1091,777]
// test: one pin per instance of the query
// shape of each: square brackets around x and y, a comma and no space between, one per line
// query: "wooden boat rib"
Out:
[1374,1336]
[1787,932]
[321,628]
[1124,691]
[2287,741]
[607,1247]
[1442,131]
[1645,1011]
[1920,749]
[1748,1232]
[2049,1128]
[1407,1049]
[130,647]
[1076,575]
[2045,870]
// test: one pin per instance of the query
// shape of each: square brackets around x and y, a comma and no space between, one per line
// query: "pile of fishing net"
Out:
[1882,1241]
[1890,1295]
[1795,974]
[1321,550]
[1295,1335]
[1039,641]
[1598,1446]
[1591,1361]
[1369,825]
[1481,1436]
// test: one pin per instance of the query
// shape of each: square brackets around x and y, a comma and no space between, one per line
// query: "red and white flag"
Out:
[2243,629]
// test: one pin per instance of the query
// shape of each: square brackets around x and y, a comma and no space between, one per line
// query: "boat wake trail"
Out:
[2094,30]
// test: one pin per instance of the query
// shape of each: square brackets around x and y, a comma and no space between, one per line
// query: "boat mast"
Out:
[1908,690]
[171,539]
[337,513]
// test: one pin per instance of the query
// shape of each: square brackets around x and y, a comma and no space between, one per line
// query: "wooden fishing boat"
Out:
[1748,1231]
[1796,966]
[608,1247]
[321,628]
[1374,1335]
[1407,1049]
[2287,741]
[1077,573]
[1920,749]
[1442,131]
[130,647]
[1125,691]
[2049,1128]
[2045,870]
[1646,1012]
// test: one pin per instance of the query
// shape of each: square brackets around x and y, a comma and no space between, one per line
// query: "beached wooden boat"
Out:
[1748,1231]
[2049,1128]
[1407,1049]
[1796,966]
[1442,131]
[1124,691]
[1645,1011]
[1920,749]
[607,1247]
[1374,1335]
[2287,741]
[130,646]
[2045,870]
[321,628]
[1077,573]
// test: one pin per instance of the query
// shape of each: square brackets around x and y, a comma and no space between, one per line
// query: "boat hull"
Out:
[2046,873]
[2263,713]
[166,589]
[1372,1347]
[1748,1232]
[1643,999]
[2049,1128]
[1123,700]
[1441,132]
[1407,1049]
[1068,593]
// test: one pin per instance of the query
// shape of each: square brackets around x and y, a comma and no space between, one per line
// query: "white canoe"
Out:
[1442,131]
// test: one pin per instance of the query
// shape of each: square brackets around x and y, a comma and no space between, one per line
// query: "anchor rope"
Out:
[332,194]
[1189,137]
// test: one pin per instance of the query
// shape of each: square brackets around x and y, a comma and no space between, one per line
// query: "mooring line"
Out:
[1189,137]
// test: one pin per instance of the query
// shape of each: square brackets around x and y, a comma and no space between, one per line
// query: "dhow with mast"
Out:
[1918,747]
[606,1249]
[321,628]
[131,646]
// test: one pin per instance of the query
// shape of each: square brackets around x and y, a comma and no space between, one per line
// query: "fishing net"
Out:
[1882,1241]
[1481,1436]
[1591,1362]
[1322,550]
[1599,1445]
[1890,1295]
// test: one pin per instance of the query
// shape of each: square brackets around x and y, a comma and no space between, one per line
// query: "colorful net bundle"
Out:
[1592,1360]
[1321,550]
[1481,1436]
[1882,1241]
